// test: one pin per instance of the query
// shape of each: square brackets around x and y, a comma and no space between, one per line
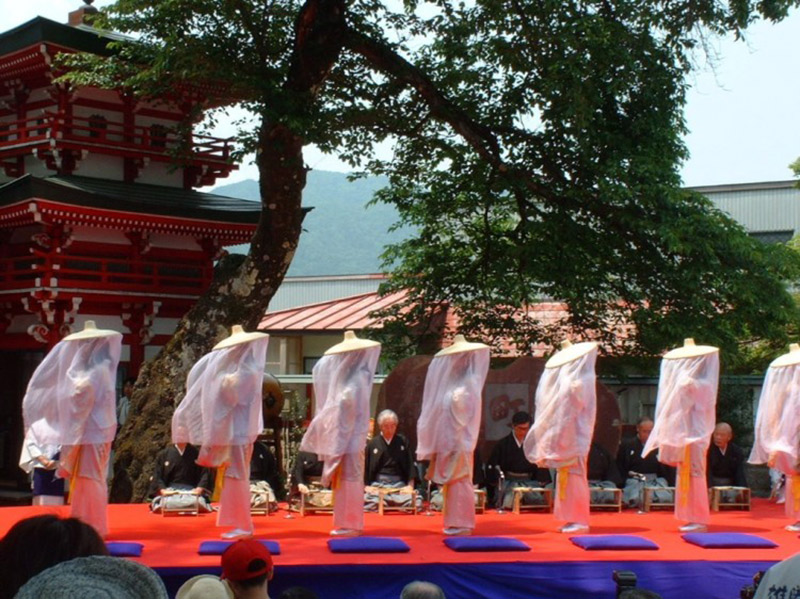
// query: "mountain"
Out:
[341,235]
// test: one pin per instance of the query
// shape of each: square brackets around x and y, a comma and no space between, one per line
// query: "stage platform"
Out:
[554,568]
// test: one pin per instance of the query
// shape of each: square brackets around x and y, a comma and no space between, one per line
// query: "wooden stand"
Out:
[382,492]
[742,502]
[647,499]
[307,508]
[616,504]
[544,507]
[193,510]
[480,501]
[263,499]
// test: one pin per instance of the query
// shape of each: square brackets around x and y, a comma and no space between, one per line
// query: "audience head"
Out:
[387,423]
[422,590]
[127,386]
[204,586]
[723,433]
[298,593]
[521,423]
[35,544]
[246,564]
[644,426]
[95,577]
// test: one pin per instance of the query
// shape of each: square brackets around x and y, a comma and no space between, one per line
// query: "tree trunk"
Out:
[240,293]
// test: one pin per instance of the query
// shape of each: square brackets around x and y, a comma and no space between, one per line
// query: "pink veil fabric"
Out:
[566,405]
[342,390]
[777,432]
[451,404]
[685,406]
[222,405]
[73,391]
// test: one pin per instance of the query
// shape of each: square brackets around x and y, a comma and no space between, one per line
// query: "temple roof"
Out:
[114,204]
[39,30]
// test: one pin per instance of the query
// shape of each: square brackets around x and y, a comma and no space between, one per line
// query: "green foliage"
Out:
[536,150]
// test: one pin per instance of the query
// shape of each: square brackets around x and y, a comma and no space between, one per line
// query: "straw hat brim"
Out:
[239,338]
[569,354]
[351,345]
[690,351]
[90,334]
[459,347]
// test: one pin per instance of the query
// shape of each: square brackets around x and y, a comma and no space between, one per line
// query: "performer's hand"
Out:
[302,488]
[197,491]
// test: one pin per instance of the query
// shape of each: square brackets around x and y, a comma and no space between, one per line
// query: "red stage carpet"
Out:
[170,544]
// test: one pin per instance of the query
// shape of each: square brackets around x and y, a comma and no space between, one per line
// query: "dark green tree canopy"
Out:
[536,152]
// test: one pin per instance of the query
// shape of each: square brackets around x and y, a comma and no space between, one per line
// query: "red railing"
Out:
[105,274]
[97,132]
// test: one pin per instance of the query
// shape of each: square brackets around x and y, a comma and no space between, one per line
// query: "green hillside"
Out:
[342,235]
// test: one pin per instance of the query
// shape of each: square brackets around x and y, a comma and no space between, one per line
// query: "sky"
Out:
[743,114]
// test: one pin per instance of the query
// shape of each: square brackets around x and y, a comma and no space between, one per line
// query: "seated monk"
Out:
[602,473]
[177,479]
[725,465]
[639,471]
[264,478]
[389,464]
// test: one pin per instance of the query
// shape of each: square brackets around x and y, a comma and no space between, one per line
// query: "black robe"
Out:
[510,457]
[392,458]
[172,468]
[629,459]
[264,466]
[306,465]
[723,468]
[601,466]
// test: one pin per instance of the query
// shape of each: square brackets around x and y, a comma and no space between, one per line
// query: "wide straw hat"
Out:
[351,343]
[90,331]
[460,344]
[95,577]
[239,336]
[689,350]
[569,352]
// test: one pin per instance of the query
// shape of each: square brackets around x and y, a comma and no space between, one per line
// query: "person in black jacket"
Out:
[389,463]
[176,471]
[509,468]
[725,463]
[602,473]
[635,469]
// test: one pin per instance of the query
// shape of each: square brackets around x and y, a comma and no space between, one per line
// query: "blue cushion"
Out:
[368,545]
[613,542]
[727,540]
[121,549]
[485,544]
[217,547]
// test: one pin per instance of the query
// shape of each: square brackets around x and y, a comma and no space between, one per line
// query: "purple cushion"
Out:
[727,540]
[613,542]
[124,549]
[485,544]
[217,547]
[368,545]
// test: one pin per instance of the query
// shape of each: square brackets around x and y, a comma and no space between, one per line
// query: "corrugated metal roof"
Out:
[303,291]
[334,315]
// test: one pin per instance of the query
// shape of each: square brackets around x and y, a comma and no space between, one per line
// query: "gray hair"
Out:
[422,590]
[386,415]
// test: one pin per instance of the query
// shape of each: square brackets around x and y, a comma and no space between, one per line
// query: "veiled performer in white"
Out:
[684,423]
[566,405]
[74,392]
[449,425]
[338,433]
[777,434]
[222,414]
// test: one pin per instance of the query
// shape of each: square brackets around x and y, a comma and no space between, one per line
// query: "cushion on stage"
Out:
[124,549]
[368,545]
[727,540]
[613,542]
[485,544]
[217,547]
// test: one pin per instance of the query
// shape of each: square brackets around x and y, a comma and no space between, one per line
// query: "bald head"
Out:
[723,433]
[422,590]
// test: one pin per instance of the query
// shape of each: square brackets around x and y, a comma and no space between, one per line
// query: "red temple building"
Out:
[97,220]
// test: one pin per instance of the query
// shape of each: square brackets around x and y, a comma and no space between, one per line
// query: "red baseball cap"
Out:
[246,559]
